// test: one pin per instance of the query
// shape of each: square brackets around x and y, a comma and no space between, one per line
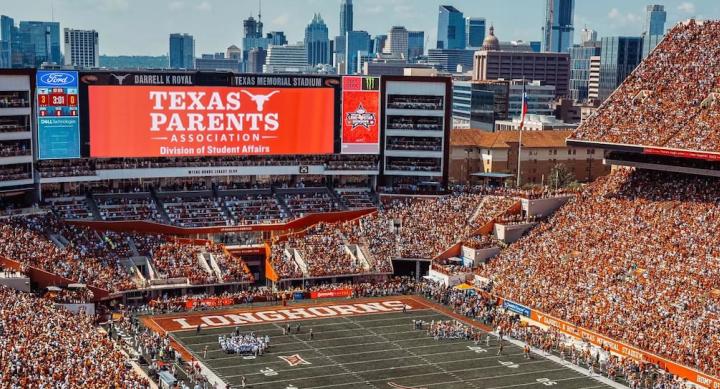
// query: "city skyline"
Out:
[209,21]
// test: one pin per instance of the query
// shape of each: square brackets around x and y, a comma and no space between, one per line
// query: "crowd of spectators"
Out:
[85,167]
[124,207]
[415,143]
[413,164]
[86,258]
[283,261]
[302,203]
[14,149]
[482,307]
[420,102]
[70,208]
[17,123]
[196,212]
[402,228]
[323,250]
[175,260]
[413,123]
[255,208]
[15,172]
[670,100]
[14,99]
[70,296]
[635,257]
[46,346]
[357,199]
[65,168]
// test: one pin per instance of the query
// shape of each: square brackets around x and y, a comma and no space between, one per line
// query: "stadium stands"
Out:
[46,346]
[97,258]
[635,257]
[402,228]
[656,105]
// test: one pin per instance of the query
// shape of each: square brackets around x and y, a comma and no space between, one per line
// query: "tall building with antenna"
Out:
[558,28]
[346,17]
[253,34]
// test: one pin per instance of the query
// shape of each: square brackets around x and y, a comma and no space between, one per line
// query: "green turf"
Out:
[378,351]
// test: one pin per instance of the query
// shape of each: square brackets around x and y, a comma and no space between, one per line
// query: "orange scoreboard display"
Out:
[185,121]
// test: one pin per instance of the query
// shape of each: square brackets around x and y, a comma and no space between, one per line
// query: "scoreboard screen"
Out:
[58,114]
[191,121]
[361,115]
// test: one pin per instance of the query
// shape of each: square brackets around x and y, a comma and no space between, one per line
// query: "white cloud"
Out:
[281,20]
[687,7]
[617,16]
[204,6]
[176,5]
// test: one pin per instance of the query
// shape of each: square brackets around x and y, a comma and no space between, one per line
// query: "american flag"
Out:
[524,109]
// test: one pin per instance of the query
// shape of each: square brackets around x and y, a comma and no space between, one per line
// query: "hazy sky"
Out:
[142,26]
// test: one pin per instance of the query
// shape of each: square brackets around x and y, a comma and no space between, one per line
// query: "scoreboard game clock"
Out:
[58,114]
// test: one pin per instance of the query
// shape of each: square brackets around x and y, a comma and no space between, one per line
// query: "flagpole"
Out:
[522,124]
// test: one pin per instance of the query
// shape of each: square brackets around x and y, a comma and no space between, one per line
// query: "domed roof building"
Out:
[491,42]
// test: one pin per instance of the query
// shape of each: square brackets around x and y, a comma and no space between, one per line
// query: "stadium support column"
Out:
[417,270]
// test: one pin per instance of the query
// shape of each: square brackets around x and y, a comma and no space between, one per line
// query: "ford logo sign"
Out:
[57,79]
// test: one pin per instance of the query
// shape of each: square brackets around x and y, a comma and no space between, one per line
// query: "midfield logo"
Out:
[360,118]
[295,360]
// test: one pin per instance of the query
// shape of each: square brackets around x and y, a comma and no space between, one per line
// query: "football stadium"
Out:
[210,229]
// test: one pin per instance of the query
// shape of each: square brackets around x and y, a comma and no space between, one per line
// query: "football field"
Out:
[380,350]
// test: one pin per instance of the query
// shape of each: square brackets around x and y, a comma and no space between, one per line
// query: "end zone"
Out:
[270,314]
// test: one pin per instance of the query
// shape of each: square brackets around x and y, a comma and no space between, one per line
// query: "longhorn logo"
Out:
[120,79]
[260,100]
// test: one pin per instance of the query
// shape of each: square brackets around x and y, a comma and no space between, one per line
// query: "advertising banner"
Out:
[682,154]
[322,294]
[627,350]
[171,121]
[58,114]
[517,308]
[361,115]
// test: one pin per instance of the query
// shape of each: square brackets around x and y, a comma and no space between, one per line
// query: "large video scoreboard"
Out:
[58,114]
[146,114]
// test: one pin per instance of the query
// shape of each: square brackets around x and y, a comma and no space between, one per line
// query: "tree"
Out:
[560,177]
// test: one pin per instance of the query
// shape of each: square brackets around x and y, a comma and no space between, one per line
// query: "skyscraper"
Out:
[355,42]
[346,17]
[286,59]
[580,57]
[256,60]
[317,42]
[655,18]
[182,51]
[618,58]
[378,44]
[451,28]
[587,36]
[416,44]
[253,36]
[40,42]
[474,32]
[277,38]
[397,42]
[7,32]
[81,48]
[653,28]
[558,29]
